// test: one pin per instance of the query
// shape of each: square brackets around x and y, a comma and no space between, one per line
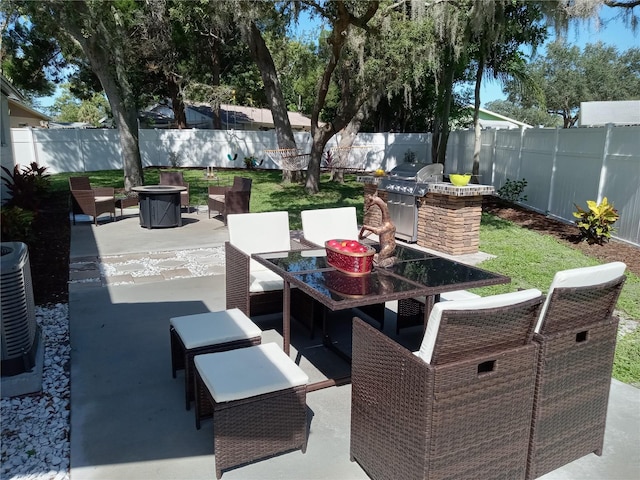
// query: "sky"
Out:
[612,31]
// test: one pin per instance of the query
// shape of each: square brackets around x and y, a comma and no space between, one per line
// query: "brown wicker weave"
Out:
[130,200]
[577,343]
[254,428]
[236,198]
[83,199]
[182,358]
[176,178]
[261,303]
[466,415]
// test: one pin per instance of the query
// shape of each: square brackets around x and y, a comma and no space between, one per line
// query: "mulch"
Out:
[565,233]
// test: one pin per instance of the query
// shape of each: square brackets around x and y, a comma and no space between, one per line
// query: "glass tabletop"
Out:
[414,271]
[339,286]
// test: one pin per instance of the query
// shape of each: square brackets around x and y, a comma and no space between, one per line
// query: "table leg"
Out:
[286,316]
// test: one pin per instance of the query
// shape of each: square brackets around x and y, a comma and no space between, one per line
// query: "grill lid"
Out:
[418,172]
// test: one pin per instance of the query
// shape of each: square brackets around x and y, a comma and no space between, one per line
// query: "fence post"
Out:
[520,152]
[552,179]
[603,168]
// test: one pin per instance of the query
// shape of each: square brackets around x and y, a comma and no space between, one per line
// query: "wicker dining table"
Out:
[415,273]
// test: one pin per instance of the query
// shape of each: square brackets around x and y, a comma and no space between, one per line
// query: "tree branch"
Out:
[622,3]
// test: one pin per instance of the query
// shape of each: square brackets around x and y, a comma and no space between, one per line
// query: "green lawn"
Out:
[529,258]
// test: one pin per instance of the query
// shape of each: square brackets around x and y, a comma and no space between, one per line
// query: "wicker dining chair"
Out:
[461,406]
[176,178]
[577,334]
[229,200]
[250,286]
[91,201]
[323,224]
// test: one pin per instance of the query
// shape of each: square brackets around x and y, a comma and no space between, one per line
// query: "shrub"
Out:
[175,160]
[596,223]
[252,162]
[409,156]
[16,224]
[27,186]
[512,190]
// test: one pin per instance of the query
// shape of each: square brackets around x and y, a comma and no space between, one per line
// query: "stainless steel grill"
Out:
[404,185]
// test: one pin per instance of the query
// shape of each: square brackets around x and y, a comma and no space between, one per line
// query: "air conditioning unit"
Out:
[19,330]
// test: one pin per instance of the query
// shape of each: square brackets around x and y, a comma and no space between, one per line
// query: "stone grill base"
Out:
[450,224]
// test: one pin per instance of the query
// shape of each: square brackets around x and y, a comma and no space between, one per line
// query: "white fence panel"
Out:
[536,166]
[507,157]
[621,179]
[577,171]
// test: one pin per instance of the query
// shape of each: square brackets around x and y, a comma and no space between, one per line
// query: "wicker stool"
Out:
[257,397]
[207,333]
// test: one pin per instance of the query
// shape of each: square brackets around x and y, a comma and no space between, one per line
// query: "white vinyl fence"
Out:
[563,167]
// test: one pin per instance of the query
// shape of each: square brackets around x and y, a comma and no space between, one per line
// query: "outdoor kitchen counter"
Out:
[446,188]
[449,217]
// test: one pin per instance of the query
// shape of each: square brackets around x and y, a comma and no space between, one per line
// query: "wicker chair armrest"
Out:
[217,190]
[237,278]
[308,243]
[104,191]
[86,195]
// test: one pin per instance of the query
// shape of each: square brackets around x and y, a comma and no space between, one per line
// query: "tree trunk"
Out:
[106,59]
[351,130]
[261,55]
[177,103]
[445,96]
[477,142]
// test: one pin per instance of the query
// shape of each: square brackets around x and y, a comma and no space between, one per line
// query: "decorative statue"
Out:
[386,232]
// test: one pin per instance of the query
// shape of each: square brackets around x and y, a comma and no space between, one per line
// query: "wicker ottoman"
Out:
[193,335]
[257,397]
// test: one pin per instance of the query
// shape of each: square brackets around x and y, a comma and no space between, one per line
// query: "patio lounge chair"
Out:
[91,201]
[250,286]
[176,178]
[324,224]
[229,200]
[577,335]
[461,406]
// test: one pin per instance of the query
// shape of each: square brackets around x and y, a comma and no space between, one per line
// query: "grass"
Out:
[529,258]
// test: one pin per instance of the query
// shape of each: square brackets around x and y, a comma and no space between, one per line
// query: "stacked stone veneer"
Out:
[449,218]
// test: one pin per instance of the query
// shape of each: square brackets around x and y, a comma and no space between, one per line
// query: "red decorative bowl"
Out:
[349,256]
[348,285]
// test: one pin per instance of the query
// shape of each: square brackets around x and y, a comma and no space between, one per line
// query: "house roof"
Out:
[16,100]
[232,116]
[489,119]
[237,114]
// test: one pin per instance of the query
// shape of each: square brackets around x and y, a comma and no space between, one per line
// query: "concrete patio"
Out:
[128,419]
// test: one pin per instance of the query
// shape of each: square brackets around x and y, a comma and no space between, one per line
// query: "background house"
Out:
[234,117]
[492,120]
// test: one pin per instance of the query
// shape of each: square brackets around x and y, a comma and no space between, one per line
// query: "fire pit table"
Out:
[159,205]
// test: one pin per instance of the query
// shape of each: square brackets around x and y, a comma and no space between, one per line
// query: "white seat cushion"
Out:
[581,277]
[265,281]
[458,295]
[103,199]
[324,224]
[217,198]
[247,372]
[212,328]
[493,301]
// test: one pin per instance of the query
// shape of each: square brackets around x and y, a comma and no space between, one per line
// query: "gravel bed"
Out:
[35,427]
